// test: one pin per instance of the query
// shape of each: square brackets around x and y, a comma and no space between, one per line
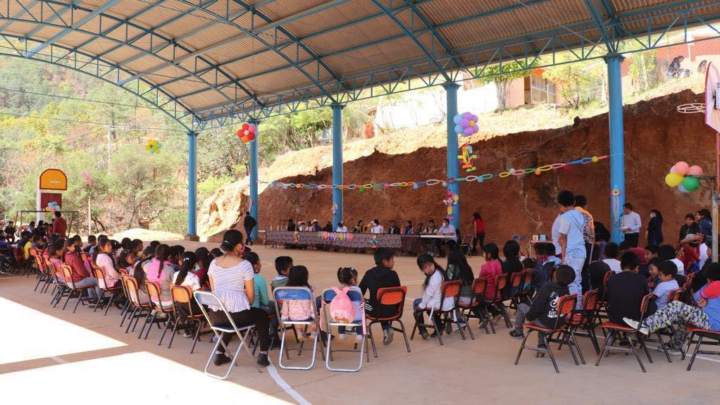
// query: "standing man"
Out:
[249,224]
[572,243]
[588,236]
[59,225]
[631,225]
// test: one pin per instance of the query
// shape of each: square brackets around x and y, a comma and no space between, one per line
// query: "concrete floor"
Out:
[55,355]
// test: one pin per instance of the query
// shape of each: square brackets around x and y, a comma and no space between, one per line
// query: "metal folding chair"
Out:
[282,294]
[102,284]
[138,308]
[206,299]
[475,309]
[355,295]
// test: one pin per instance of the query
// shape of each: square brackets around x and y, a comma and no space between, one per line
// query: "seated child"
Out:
[625,291]
[490,270]
[432,296]
[667,283]
[543,311]
[299,310]
[654,271]
[612,254]
[282,266]
[381,276]
[651,252]
[347,277]
[262,300]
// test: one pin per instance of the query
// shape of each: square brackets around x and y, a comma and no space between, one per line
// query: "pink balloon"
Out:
[475,129]
[672,169]
[695,171]
[681,168]
[467,115]
[464,123]
[252,128]
[468,131]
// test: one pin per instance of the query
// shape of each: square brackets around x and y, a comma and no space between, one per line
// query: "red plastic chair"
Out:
[623,332]
[701,334]
[475,308]
[389,297]
[450,290]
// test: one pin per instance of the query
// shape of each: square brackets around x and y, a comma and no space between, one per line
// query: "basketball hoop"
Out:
[691,108]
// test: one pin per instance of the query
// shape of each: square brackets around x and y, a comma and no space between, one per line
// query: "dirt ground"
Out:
[53,355]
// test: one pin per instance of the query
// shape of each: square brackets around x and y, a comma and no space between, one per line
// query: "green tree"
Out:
[502,77]
[577,81]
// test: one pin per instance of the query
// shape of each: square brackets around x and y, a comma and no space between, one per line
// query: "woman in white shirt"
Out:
[231,279]
[341,227]
[376,227]
[432,294]
[103,259]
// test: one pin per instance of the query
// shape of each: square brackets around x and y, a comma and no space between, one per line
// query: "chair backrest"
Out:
[591,300]
[182,298]
[33,252]
[207,299]
[517,279]
[675,295]
[67,275]
[479,287]
[282,294]
[644,305]
[153,290]
[100,276]
[606,277]
[450,290]
[565,306]
[132,289]
[391,297]
[501,281]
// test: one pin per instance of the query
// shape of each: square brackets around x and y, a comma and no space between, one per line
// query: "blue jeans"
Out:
[576,286]
[89,281]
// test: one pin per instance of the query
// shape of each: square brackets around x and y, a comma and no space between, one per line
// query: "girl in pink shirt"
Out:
[299,310]
[491,269]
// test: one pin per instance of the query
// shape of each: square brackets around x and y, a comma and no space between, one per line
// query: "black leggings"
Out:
[255,316]
[479,237]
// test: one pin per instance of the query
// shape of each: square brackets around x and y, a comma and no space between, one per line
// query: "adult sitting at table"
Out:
[291,225]
[376,228]
[393,229]
[431,228]
[447,229]
[341,227]
[360,227]
[328,227]
[408,229]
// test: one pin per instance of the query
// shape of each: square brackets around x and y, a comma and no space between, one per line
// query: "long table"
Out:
[358,241]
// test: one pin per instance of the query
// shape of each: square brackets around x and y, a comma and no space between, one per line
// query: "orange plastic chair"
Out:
[389,297]
[450,290]
[153,290]
[474,308]
[72,288]
[623,332]
[113,291]
[565,307]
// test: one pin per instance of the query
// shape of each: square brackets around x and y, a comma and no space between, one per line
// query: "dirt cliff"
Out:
[656,137]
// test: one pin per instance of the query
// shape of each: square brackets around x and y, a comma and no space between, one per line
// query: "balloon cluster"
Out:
[88,178]
[52,207]
[466,158]
[466,124]
[684,177]
[246,133]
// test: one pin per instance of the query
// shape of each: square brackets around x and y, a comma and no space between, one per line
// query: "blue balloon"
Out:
[457,119]
[458,129]
[415,186]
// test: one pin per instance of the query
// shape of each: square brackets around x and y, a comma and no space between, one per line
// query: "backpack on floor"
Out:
[341,307]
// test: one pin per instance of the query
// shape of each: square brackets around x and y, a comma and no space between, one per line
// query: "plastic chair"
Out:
[43,274]
[565,306]
[206,299]
[182,301]
[388,297]
[450,290]
[154,292]
[585,319]
[466,244]
[615,330]
[479,287]
[355,295]
[102,284]
[516,289]
[72,288]
[295,294]
[501,282]
[138,308]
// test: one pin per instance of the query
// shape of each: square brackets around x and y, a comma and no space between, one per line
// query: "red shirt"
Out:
[479,225]
[490,271]
[60,226]
[79,272]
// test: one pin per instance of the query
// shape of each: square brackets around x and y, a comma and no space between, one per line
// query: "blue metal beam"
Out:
[55,16]
[18,15]
[337,170]
[89,17]
[617,143]
[89,65]
[192,184]
[596,16]
[254,179]
[453,166]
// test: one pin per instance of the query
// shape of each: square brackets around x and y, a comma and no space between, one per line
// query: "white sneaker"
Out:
[674,352]
[358,338]
[342,336]
[388,336]
[634,324]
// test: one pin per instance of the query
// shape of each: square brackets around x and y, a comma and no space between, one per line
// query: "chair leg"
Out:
[110,303]
[695,352]
[550,353]
[197,336]
[407,343]
[70,294]
[522,346]
[150,325]
[132,318]
[99,300]
[662,346]
[80,294]
[577,347]
[174,330]
[632,348]
[372,339]
[438,332]
[606,346]
[171,318]
[641,340]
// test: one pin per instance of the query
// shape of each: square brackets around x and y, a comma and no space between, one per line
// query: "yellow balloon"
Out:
[674,179]
[449,210]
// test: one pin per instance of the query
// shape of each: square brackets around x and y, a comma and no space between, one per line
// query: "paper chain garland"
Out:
[435,182]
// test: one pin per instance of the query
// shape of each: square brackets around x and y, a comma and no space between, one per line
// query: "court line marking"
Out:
[59,360]
[285,386]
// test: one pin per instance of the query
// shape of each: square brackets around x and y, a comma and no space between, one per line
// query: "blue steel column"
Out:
[453,166]
[337,164]
[617,142]
[192,184]
[254,177]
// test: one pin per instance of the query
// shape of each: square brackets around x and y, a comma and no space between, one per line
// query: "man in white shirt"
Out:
[341,227]
[631,224]
[448,229]
[376,227]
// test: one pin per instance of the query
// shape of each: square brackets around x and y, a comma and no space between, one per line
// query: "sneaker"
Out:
[673,352]
[358,338]
[516,334]
[425,335]
[388,336]
[448,326]
[342,336]
[187,334]
[220,359]
[263,360]
[634,324]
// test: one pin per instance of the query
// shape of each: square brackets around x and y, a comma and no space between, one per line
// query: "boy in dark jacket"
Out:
[543,312]
[626,290]
[381,276]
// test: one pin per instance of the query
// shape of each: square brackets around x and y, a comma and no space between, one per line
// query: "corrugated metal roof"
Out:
[285,46]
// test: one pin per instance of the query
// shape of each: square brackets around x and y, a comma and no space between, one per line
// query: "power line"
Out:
[76,98]
[91,122]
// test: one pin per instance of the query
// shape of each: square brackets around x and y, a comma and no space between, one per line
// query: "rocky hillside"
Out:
[656,137]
